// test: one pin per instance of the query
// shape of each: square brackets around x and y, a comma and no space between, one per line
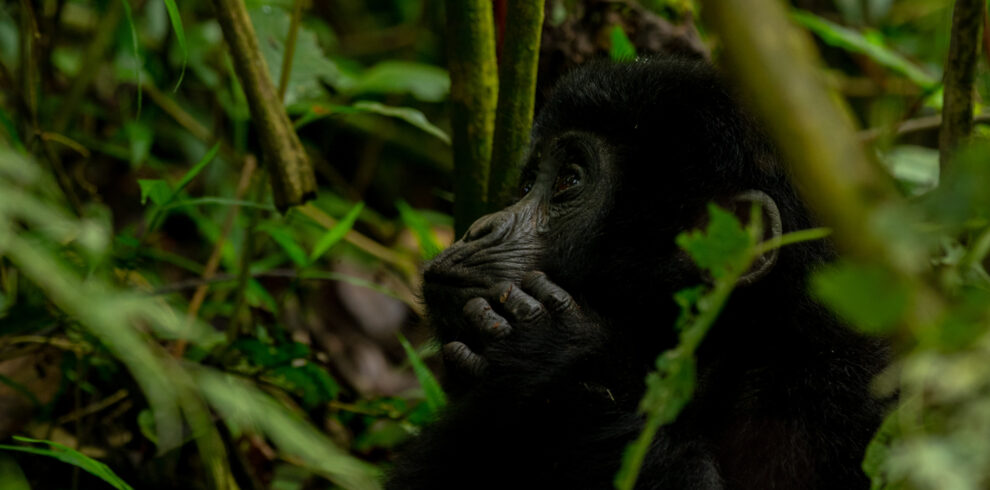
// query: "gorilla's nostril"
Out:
[494,225]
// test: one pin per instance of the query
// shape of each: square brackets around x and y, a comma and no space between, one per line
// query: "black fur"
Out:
[782,398]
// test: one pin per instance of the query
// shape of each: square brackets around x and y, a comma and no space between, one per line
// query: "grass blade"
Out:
[180,37]
[335,234]
[435,397]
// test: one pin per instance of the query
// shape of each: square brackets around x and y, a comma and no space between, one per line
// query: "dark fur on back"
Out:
[782,398]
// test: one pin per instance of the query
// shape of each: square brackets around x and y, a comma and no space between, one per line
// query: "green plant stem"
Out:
[960,68]
[516,91]
[290,48]
[473,96]
[837,178]
[845,188]
[292,178]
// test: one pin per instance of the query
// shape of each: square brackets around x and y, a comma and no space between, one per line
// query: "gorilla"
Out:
[552,310]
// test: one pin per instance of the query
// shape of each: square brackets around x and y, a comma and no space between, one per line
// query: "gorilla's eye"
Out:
[525,187]
[568,178]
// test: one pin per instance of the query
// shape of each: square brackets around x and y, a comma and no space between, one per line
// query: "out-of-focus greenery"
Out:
[159,317]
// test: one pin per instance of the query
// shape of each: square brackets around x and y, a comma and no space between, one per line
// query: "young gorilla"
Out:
[553,310]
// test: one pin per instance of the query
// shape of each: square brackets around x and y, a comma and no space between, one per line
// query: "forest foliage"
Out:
[173,311]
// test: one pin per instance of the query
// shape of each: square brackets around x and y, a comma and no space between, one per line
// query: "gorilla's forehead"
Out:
[627,99]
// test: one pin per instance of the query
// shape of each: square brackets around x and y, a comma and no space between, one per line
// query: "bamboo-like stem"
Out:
[960,67]
[834,173]
[473,96]
[516,93]
[293,181]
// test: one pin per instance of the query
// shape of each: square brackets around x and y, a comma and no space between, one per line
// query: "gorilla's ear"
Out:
[742,204]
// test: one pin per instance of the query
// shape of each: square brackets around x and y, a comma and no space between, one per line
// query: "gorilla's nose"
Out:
[489,227]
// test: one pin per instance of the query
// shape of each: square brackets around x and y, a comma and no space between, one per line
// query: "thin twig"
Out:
[516,95]
[290,48]
[914,125]
[179,348]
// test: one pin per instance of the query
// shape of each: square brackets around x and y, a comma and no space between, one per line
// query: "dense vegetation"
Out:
[175,313]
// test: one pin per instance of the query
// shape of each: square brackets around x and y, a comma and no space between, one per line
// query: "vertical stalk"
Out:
[517,90]
[960,67]
[473,96]
[293,181]
[290,48]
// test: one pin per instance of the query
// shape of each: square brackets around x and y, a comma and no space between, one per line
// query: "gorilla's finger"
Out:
[482,317]
[462,357]
[520,306]
[552,296]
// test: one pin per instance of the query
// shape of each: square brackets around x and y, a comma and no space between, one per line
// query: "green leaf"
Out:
[156,189]
[427,83]
[335,234]
[146,424]
[870,297]
[242,404]
[872,47]
[722,248]
[411,218]
[68,455]
[180,36]
[435,397]
[622,48]
[285,240]
[200,165]
[407,114]
[310,66]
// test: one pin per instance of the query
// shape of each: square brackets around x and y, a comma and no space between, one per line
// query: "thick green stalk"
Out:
[517,89]
[780,73]
[960,67]
[293,181]
[473,96]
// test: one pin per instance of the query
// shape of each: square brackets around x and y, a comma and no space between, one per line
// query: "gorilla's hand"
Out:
[537,318]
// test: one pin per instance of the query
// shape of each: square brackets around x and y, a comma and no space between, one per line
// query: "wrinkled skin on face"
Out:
[565,189]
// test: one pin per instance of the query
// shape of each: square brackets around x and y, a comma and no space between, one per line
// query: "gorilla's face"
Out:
[566,190]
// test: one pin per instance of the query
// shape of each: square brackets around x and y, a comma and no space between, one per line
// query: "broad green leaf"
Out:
[435,397]
[870,46]
[963,196]
[722,248]
[915,168]
[622,48]
[180,36]
[285,240]
[868,296]
[245,406]
[68,455]
[310,67]
[156,189]
[335,234]
[407,114]
[427,83]
[424,235]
